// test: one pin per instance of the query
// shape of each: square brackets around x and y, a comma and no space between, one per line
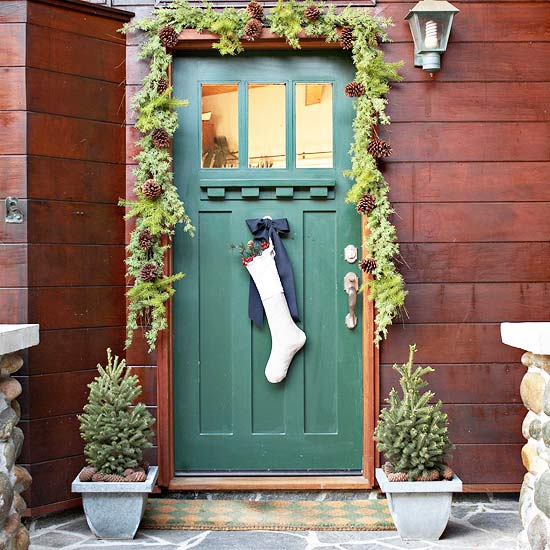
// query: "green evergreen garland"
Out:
[413,434]
[156,110]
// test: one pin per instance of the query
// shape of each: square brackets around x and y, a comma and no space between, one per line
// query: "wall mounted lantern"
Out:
[430,22]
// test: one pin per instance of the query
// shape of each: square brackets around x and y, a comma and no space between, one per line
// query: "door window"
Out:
[273,130]
[266,126]
[220,126]
[313,105]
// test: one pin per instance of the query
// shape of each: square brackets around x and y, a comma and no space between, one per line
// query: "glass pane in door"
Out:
[266,126]
[220,126]
[313,125]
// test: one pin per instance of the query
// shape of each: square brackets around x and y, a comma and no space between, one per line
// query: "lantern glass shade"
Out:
[430,22]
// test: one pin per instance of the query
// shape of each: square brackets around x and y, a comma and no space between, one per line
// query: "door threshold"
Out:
[253,483]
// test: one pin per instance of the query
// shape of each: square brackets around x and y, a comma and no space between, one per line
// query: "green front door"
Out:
[265,134]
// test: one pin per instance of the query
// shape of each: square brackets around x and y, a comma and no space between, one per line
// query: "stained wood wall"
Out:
[469,184]
[469,181]
[62,151]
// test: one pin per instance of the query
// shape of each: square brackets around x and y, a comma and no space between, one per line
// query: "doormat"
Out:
[272,515]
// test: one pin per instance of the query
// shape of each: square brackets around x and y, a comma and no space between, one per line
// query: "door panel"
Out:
[227,417]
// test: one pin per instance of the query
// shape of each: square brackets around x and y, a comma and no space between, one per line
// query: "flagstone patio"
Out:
[478,521]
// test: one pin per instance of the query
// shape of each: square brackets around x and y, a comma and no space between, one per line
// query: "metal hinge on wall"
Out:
[13,212]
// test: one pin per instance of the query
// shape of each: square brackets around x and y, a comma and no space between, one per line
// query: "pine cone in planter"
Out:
[148,272]
[368,265]
[136,476]
[98,477]
[161,138]
[312,13]
[146,239]
[253,30]
[168,36]
[162,85]
[429,475]
[397,476]
[113,478]
[151,189]
[379,148]
[255,10]
[87,473]
[354,89]
[448,473]
[346,38]
[366,204]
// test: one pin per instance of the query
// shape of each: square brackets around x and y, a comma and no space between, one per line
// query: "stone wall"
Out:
[13,479]
[535,491]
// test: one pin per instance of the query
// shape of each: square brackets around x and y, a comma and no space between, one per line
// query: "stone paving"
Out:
[478,521]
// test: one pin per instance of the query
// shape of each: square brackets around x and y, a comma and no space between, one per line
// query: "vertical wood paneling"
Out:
[320,375]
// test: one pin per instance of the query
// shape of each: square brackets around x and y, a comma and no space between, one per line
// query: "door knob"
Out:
[351,287]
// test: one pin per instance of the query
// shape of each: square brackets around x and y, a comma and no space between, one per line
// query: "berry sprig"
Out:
[250,250]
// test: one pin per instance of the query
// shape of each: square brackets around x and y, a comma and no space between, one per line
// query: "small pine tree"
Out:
[115,431]
[412,434]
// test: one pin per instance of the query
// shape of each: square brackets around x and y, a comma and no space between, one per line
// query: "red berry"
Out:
[265,245]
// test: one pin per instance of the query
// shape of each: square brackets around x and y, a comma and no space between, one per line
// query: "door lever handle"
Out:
[351,287]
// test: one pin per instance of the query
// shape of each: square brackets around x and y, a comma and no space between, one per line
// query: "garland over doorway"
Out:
[158,208]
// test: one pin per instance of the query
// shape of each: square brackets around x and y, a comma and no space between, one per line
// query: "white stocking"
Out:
[286,338]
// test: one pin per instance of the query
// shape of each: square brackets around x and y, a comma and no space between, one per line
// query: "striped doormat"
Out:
[273,515]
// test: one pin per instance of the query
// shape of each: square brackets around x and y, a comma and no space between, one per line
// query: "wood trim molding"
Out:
[88,8]
[37,511]
[243,483]
[191,40]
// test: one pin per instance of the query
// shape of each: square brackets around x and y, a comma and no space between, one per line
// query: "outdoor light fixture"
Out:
[430,22]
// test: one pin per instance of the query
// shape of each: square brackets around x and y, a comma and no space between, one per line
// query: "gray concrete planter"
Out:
[420,509]
[114,510]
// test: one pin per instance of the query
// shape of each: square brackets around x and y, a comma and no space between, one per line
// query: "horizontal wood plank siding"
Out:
[62,114]
[469,183]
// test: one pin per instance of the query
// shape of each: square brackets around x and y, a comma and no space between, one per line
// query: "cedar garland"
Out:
[157,119]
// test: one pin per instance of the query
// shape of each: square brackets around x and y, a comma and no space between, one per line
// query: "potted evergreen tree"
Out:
[116,430]
[413,435]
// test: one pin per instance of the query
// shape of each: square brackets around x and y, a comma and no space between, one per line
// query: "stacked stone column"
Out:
[13,479]
[535,491]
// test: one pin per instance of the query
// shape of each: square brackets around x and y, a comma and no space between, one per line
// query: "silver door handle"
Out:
[351,287]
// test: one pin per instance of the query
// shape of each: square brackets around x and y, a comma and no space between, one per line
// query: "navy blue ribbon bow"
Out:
[264,229]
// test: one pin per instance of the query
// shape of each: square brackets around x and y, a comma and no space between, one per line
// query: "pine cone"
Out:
[354,89]
[148,272]
[255,10]
[448,473]
[379,148]
[366,204]
[397,476]
[429,475]
[113,478]
[162,85]
[168,36]
[136,476]
[368,265]
[312,13]
[161,138]
[98,477]
[151,189]
[146,239]
[346,38]
[128,472]
[253,29]
[387,467]
[87,473]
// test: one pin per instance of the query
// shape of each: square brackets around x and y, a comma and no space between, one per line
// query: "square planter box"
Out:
[420,509]
[114,510]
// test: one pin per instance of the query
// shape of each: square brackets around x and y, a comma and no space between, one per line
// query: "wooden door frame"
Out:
[190,40]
